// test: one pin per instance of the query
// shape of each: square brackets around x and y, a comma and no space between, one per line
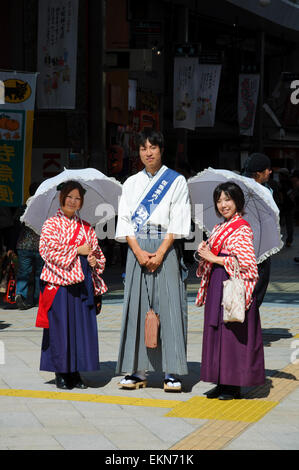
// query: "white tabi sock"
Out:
[177,382]
[140,374]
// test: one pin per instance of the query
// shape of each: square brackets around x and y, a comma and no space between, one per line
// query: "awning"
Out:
[282,12]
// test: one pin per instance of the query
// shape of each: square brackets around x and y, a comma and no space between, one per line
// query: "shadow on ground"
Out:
[102,377]
[270,335]
[4,325]
[263,391]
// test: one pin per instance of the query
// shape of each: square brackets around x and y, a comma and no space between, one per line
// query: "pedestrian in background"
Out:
[29,261]
[258,167]
[232,352]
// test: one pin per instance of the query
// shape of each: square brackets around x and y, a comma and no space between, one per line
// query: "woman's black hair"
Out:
[234,192]
[153,136]
[68,186]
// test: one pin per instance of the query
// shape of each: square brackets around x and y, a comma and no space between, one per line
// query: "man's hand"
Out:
[155,261]
[143,257]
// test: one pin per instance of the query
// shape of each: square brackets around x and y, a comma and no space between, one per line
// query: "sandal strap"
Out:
[172,380]
[134,378]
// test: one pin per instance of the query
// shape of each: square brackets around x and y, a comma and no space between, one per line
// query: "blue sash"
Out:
[152,199]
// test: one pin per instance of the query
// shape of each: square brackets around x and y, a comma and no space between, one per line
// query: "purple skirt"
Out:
[232,353]
[71,342]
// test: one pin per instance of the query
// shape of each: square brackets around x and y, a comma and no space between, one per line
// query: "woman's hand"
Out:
[84,250]
[201,245]
[92,260]
[206,254]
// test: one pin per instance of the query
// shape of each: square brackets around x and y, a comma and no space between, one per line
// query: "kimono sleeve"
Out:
[124,224]
[52,250]
[97,252]
[241,247]
[98,283]
[180,210]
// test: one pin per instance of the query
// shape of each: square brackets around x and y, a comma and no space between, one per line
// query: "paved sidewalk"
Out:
[35,415]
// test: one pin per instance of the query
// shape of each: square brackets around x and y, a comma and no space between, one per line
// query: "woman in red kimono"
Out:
[232,353]
[70,279]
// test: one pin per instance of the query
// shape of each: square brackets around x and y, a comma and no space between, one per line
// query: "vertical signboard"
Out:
[247,102]
[185,92]
[16,132]
[57,54]
[2,92]
[208,85]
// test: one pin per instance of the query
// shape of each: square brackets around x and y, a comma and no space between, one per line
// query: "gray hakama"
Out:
[169,301]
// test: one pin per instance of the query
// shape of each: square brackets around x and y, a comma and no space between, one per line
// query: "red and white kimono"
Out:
[59,251]
[238,244]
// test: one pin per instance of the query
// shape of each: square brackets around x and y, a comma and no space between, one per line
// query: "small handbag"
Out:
[233,297]
[151,324]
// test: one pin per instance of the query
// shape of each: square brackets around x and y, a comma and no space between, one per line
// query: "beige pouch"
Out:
[152,322]
[151,329]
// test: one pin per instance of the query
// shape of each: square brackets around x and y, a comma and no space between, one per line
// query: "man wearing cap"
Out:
[258,167]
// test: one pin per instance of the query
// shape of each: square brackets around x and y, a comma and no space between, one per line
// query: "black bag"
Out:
[98,303]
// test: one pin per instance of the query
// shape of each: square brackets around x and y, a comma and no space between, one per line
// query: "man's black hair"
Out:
[153,136]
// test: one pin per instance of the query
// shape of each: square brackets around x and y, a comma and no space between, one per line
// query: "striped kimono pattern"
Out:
[62,264]
[238,245]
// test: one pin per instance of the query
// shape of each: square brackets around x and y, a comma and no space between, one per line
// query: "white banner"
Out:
[208,85]
[185,88]
[2,97]
[57,54]
[247,102]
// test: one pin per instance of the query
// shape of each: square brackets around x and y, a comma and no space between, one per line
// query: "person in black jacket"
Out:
[258,167]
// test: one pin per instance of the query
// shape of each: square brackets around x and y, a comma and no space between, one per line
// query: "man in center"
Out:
[154,210]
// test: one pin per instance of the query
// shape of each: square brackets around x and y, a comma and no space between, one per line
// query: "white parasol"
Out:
[99,190]
[261,210]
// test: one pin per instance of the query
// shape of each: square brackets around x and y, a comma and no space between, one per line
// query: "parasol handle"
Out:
[87,238]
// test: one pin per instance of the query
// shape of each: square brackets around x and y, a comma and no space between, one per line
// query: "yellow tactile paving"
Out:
[88,397]
[225,419]
[213,435]
[247,411]
[217,433]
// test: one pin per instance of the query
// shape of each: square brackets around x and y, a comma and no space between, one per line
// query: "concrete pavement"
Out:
[35,415]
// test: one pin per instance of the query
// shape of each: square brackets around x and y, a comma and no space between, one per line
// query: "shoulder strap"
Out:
[225,233]
[153,198]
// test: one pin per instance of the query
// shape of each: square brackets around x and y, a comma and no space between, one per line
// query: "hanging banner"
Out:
[208,85]
[247,102]
[16,132]
[185,92]
[57,54]
[2,94]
